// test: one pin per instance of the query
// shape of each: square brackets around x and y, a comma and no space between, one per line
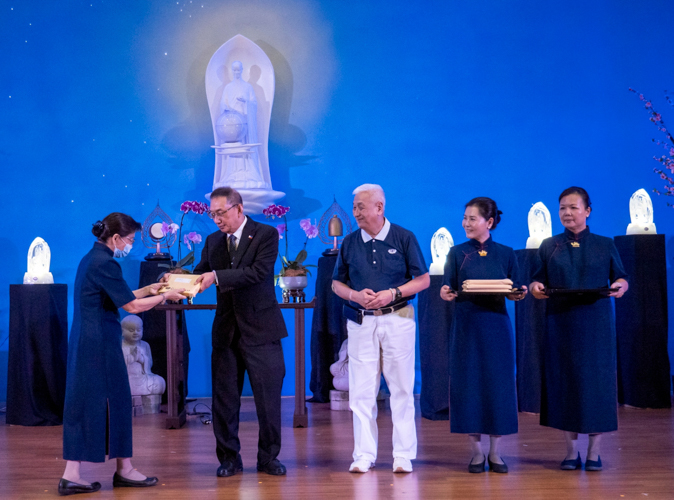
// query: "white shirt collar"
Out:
[381,236]
[239,231]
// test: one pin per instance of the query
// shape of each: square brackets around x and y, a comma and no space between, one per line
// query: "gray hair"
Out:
[377,192]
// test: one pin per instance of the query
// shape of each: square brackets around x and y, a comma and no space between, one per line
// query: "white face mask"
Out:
[123,253]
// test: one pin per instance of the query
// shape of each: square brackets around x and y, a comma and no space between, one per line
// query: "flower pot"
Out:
[292,282]
[293,288]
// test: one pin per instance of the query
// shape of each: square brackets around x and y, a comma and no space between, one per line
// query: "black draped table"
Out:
[38,354]
[435,320]
[641,323]
[529,330]
[154,330]
[328,331]
[174,354]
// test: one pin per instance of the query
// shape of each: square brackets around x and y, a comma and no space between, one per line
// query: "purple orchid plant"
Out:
[667,160]
[294,267]
[192,238]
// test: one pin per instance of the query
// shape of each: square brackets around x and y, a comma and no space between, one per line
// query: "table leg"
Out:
[175,419]
[300,418]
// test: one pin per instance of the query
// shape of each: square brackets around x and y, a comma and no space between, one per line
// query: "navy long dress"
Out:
[579,391]
[98,397]
[482,390]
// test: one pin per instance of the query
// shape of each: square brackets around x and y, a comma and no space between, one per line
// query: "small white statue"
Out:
[641,214]
[540,225]
[441,242]
[138,359]
[340,369]
[39,259]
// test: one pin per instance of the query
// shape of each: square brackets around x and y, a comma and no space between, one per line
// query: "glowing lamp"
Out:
[641,214]
[441,242]
[331,227]
[540,225]
[39,259]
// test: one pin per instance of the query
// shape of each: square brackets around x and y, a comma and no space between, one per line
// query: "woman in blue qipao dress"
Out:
[579,392]
[482,390]
[97,413]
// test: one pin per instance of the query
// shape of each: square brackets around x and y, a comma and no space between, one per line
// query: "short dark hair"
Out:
[232,195]
[115,223]
[487,208]
[580,192]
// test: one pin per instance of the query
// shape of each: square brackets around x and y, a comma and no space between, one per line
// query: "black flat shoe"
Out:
[122,482]
[571,464]
[593,465]
[69,488]
[477,468]
[230,467]
[500,468]
[274,468]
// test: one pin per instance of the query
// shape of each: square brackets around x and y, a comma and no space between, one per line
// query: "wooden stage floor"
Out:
[638,462]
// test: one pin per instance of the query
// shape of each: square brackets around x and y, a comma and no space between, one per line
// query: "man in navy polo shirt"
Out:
[379,269]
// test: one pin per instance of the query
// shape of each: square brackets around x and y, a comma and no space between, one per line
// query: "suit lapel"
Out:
[246,237]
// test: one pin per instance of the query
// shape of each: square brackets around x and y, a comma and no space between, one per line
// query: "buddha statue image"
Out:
[641,214]
[441,242]
[340,369]
[540,225]
[39,260]
[138,359]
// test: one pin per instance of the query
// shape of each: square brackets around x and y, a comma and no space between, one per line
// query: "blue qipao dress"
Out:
[482,388]
[97,414]
[579,391]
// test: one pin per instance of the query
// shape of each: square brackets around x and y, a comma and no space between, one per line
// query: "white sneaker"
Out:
[401,464]
[361,466]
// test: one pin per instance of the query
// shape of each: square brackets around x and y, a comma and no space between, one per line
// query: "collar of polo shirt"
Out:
[381,236]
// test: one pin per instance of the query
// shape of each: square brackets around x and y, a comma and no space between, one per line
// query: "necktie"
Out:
[232,243]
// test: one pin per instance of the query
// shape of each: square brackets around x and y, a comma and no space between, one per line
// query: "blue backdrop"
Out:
[103,109]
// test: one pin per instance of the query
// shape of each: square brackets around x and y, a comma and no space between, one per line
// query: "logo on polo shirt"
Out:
[392,250]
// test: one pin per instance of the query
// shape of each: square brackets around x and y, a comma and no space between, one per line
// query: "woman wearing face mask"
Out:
[579,356]
[482,356]
[97,413]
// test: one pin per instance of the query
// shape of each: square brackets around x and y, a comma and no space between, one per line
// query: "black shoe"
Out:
[500,468]
[593,465]
[571,464]
[274,468]
[230,467]
[69,488]
[122,482]
[477,468]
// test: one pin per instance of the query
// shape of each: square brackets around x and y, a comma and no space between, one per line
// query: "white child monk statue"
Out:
[138,359]
[340,369]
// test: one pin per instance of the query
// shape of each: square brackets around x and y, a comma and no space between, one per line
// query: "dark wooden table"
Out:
[176,415]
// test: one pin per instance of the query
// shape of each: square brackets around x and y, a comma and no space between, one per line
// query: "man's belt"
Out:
[356,315]
[384,310]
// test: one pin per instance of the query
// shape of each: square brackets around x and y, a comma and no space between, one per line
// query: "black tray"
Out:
[580,291]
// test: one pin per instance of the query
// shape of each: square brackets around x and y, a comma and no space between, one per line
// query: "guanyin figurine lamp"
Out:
[641,214]
[540,225]
[441,242]
[39,259]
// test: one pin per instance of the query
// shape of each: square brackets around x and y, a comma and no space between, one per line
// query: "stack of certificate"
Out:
[488,286]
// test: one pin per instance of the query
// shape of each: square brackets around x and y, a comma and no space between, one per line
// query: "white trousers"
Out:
[382,344]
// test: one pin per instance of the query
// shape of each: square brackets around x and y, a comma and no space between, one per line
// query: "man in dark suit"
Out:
[247,330]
